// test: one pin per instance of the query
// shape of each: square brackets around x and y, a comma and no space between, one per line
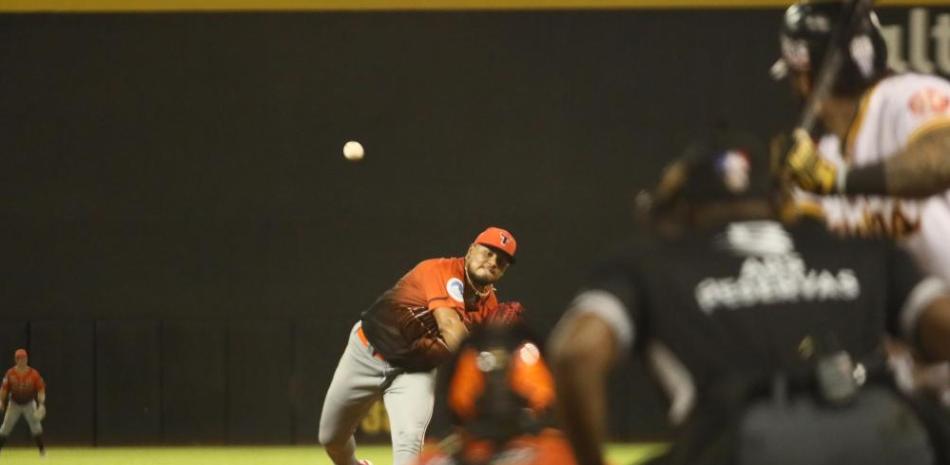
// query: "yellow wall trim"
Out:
[79,6]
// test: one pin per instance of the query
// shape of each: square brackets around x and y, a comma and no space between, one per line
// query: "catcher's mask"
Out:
[499,386]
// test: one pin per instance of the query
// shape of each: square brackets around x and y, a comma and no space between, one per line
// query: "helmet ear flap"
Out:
[868,50]
[866,61]
[861,51]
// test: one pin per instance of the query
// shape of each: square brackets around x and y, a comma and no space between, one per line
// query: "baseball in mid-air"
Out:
[353,151]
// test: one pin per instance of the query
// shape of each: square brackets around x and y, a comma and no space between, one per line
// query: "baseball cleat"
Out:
[364,462]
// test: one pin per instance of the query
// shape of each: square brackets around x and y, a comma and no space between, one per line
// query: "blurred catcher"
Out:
[500,396]
[23,393]
[766,336]
[411,329]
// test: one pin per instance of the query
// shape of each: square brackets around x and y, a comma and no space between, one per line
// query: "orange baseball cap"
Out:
[500,239]
[20,353]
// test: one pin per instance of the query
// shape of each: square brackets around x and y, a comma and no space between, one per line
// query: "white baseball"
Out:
[353,151]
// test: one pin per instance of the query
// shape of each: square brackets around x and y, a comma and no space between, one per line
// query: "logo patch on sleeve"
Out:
[929,101]
[456,289]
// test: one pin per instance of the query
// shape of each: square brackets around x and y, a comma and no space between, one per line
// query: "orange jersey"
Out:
[23,386]
[432,284]
[548,448]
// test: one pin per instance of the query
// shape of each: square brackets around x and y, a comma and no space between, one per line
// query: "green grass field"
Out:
[620,454]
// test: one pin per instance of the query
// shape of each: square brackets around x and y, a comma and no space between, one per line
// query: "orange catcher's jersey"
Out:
[433,283]
[23,386]
[894,113]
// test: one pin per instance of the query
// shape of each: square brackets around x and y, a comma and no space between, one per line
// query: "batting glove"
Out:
[808,169]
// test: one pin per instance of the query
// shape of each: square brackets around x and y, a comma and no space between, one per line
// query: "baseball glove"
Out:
[507,313]
[427,352]
[427,349]
[418,322]
[40,412]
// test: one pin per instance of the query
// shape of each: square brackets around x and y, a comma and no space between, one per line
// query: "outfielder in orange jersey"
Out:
[410,330]
[23,393]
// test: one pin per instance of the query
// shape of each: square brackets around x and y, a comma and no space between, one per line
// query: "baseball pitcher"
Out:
[410,330]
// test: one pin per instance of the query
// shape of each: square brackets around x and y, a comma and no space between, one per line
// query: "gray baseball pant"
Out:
[361,379]
[12,415]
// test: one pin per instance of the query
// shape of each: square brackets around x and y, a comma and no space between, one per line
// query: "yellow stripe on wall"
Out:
[358,5]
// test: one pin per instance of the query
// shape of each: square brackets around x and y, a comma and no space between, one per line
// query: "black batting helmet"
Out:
[806,36]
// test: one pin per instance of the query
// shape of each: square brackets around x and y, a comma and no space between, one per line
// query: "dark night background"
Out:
[184,247]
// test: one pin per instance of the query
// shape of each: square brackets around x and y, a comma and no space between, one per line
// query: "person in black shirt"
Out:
[766,334]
